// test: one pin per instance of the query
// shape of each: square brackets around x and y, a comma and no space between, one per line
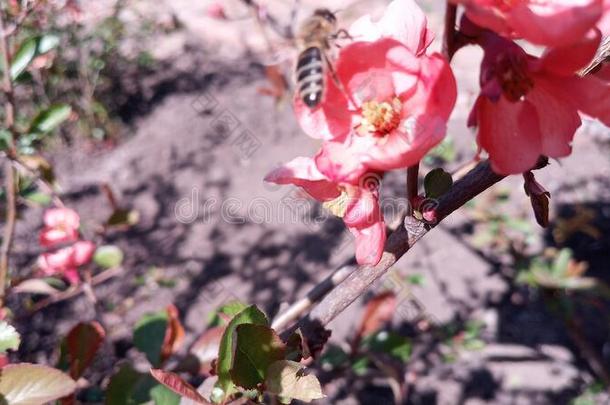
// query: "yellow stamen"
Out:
[379,119]
[338,206]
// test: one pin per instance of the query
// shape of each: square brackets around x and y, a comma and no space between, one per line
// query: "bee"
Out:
[314,38]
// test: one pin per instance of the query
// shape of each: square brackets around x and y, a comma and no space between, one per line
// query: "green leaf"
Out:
[437,183]
[164,396]
[149,334]
[108,256]
[250,315]
[360,365]
[391,343]
[6,139]
[560,265]
[49,119]
[230,309]
[47,43]
[29,50]
[33,384]
[291,380]
[23,57]
[39,198]
[129,387]
[333,357]
[9,337]
[256,347]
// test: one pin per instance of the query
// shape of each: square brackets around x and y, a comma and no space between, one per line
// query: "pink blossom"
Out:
[357,205]
[66,261]
[543,22]
[61,225]
[530,106]
[387,56]
[398,109]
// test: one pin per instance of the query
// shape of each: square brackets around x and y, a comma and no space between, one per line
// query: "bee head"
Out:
[326,14]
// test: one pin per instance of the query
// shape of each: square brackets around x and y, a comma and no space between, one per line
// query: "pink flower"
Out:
[543,22]
[529,106]
[357,205]
[398,109]
[61,225]
[387,51]
[65,261]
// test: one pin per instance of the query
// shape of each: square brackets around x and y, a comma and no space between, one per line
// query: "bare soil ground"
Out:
[199,139]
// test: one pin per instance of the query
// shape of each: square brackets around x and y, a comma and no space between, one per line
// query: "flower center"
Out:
[338,206]
[379,119]
[511,73]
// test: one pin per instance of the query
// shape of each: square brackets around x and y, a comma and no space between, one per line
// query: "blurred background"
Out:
[177,117]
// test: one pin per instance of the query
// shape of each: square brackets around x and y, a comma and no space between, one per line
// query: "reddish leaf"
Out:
[379,311]
[82,343]
[175,383]
[174,334]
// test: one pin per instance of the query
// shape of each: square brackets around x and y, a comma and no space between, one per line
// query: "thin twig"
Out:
[9,173]
[412,185]
[73,292]
[315,295]
[449,36]
[9,227]
[399,242]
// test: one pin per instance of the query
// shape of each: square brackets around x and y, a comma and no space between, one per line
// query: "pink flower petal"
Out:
[339,163]
[403,21]
[303,172]
[61,217]
[558,120]
[590,94]
[362,208]
[510,133]
[50,237]
[567,60]
[369,243]
[72,276]
[331,119]
[554,23]
[82,252]
[55,262]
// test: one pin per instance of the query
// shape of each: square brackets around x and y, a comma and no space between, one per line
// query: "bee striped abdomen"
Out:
[310,76]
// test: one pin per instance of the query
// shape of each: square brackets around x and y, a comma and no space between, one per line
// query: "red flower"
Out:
[543,22]
[61,225]
[529,106]
[357,205]
[65,261]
